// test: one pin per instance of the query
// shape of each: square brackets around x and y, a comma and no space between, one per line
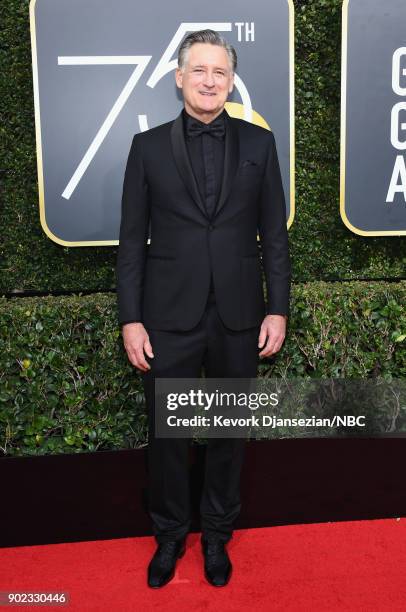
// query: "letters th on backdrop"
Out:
[103,70]
[373,117]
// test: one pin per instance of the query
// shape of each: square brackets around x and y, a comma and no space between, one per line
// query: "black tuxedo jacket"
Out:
[165,285]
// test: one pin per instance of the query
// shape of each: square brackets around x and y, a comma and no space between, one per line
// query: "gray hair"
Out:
[209,37]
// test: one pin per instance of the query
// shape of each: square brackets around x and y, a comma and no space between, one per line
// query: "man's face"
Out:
[206,81]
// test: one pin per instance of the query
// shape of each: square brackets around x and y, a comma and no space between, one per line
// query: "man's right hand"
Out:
[136,342]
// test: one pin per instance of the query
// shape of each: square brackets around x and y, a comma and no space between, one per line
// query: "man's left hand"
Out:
[274,328]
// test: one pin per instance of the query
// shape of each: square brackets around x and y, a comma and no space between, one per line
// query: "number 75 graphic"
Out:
[165,65]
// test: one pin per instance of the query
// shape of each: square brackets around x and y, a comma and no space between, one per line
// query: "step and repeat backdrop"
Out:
[373,117]
[104,70]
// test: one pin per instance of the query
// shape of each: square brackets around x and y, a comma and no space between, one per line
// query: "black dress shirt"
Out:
[206,155]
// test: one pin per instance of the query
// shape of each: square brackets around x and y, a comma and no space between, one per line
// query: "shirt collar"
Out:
[187,117]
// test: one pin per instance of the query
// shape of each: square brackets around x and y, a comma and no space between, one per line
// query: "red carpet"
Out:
[336,566]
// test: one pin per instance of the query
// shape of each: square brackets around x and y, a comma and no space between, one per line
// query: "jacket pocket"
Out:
[250,169]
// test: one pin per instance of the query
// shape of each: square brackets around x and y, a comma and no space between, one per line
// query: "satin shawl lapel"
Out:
[183,162]
[231,159]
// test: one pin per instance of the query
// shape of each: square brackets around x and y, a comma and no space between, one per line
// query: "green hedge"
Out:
[66,384]
[322,247]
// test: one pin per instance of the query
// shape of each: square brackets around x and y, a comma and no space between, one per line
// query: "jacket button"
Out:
[211,227]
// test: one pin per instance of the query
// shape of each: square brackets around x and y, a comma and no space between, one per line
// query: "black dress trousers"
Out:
[223,353]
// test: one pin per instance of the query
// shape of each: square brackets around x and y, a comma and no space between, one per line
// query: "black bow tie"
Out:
[216,128]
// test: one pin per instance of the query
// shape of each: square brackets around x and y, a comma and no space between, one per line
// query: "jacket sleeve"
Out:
[273,236]
[133,237]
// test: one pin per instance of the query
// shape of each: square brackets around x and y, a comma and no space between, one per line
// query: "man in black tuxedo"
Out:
[206,185]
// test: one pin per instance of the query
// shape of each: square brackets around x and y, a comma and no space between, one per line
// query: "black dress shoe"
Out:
[162,566]
[217,564]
